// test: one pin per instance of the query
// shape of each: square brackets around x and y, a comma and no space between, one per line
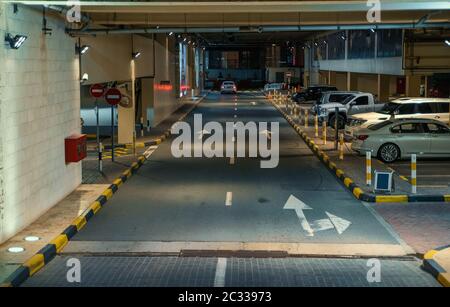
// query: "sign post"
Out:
[113,96]
[97,91]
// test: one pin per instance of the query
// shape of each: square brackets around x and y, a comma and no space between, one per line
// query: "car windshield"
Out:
[348,99]
[378,126]
[389,108]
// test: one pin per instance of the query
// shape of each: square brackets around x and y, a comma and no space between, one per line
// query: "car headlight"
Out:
[322,111]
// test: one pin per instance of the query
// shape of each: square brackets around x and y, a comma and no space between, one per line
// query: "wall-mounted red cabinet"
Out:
[76,149]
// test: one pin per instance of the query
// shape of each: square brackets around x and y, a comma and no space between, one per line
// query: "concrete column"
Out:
[383,87]
[352,81]
[413,85]
[126,120]
[331,78]
[147,101]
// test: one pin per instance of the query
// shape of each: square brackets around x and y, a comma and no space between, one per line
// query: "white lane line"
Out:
[229,199]
[221,268]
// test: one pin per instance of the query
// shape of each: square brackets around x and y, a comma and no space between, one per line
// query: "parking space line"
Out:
[229,199]
[219,279]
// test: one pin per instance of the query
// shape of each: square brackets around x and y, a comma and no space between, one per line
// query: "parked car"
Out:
[312,93]
[399,138]
[273,86]
[430,108]
[228,87]
[354,103]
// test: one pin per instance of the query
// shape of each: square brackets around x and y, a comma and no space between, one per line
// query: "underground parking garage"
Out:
[195,144]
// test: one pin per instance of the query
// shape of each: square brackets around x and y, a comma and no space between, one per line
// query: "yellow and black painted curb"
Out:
[55,246]
[434,268]
[356,190]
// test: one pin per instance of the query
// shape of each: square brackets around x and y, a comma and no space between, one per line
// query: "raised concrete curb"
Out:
[356,190]
[55,246]
[437,263]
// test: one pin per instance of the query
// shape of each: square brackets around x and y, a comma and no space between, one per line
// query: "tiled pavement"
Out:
[423,226]
[239,272]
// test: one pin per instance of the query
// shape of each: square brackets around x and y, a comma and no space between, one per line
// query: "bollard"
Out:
[100,157]
[414,173]
[368,167]
[324,132]
[142,126]
[316,125]
[341,146]
[134,142]
[306,118]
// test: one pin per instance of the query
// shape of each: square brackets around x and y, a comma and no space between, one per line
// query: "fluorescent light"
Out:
[84,49]
[135,55]
[447,42]
[373,30]
[32,238]
[171,33]
[15,42]
[16,249]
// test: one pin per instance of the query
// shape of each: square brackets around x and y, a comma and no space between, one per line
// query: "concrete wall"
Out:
[39,107]
[387,66]
[165,99]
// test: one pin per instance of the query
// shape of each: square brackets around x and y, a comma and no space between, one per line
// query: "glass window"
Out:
[383,124]
[409,108]
[425,108]
[389,43]
[443,107]
[389,108]
[408,128]
[435,128]
[362,101]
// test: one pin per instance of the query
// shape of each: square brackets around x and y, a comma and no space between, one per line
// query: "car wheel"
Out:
[389,153]
[341,121]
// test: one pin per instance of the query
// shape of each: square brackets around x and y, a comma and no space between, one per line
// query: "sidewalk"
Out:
[55,221]
[437,262]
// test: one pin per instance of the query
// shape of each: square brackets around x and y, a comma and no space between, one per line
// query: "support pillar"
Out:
[332,78]
[413,85]
[352,82]
[383,87]
[126,116]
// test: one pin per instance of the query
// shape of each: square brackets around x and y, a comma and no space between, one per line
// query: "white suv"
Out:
[429,108]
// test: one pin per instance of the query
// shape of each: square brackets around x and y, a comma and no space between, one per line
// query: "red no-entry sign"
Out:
[113,96]
[97,90]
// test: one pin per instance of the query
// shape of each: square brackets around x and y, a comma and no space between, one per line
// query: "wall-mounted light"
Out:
[81,49]
[135,55]
[447,42]
[372,30]
[170,33]
[15,42]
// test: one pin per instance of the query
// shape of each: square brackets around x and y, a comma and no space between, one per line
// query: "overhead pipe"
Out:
[376,26]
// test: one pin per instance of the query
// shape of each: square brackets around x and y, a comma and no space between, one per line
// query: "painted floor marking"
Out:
[221,268]
[229,199]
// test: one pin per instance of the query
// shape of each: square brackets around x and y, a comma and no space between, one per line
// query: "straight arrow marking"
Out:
[296,204]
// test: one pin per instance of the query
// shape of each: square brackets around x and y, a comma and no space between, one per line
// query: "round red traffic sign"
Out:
[113,96]
[97,90]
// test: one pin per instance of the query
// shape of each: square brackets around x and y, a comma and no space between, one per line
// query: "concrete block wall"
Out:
[39,107]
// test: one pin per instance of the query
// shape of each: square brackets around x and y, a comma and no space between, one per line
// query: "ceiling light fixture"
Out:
[135,55]
[16,249]
[447,42]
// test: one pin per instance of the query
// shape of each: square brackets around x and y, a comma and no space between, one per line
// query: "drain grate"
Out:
[233,253]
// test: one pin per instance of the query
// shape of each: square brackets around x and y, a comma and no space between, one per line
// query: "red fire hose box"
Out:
[75,146]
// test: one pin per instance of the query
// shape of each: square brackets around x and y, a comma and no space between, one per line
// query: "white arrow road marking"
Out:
[339,223]
[221,268]
[149,151]
[267,133]
[229,199]
[202,133]
[296,204]
[323,224]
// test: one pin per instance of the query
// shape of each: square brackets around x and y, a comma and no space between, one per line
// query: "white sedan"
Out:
[399,138]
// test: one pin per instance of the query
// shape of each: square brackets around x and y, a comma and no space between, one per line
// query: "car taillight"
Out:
[362,137]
